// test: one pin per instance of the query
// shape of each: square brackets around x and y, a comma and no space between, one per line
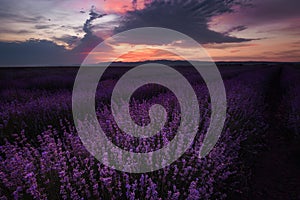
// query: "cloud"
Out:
[33,52]
[11,31]
[264,12]
[71,40]
[22,12]
[21,18]
[283,56]
[235,29]
[189,17]
[87,28]
[45,52]
[43,26]
[90,40]
[228,45]
[273,10]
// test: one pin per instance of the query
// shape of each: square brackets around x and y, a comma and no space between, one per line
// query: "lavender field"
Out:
[256,157]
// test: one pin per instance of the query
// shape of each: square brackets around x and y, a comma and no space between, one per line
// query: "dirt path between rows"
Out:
[276,172]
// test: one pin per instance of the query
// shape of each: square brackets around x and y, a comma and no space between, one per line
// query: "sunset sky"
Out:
[63,32]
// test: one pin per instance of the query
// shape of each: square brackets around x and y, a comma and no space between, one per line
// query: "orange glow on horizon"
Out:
[148,54]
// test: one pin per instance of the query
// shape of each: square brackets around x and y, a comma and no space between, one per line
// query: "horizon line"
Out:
[146,61]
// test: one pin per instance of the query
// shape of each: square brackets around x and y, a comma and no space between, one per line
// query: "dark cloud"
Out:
[87,27]
[33,52]
[189,17]
[236,29]
[90,40]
